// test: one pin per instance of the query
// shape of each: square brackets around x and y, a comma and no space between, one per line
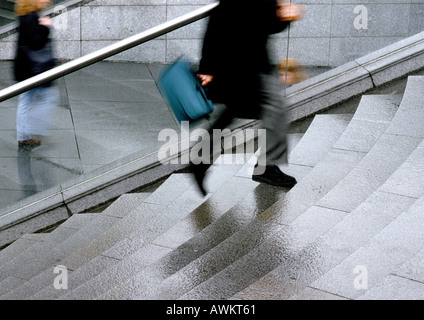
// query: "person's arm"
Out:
[205,79]
[287,12]
[281,13]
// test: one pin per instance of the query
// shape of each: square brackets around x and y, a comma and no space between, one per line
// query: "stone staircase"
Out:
[356,214]
[7,14]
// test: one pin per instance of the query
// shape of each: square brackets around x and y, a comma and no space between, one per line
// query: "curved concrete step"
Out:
[127,247]
[52,258]
[148,217]
[260,227]
[90,234]
[404,282]
[60,234]
[297,280]
[402,136]
[15,272]
[148,277]
[89,226]
[23,243]
[13,250]
[295,235]
[288,214]
[292,249]
[118,251]
[232,218]
[309,150]
[198,219]
[135,248]
[374,112]
[399,241]
[395,237]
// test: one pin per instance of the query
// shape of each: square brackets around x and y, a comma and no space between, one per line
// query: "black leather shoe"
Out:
[274,176]
[31,143]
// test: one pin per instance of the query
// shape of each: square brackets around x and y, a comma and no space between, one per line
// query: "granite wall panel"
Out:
[332,33]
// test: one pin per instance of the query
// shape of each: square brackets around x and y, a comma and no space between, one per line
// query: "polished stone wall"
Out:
[332,33]
[337,31]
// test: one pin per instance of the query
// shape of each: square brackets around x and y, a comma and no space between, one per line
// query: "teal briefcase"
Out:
[184,93]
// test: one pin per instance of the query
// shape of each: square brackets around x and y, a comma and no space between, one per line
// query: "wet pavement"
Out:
[107,112]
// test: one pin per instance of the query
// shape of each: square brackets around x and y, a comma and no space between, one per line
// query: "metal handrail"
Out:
[106,52]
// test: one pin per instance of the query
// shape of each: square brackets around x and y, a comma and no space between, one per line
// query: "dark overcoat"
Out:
[235,52]
[31,35]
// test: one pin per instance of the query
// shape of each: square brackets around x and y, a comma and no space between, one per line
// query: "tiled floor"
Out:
[107,111]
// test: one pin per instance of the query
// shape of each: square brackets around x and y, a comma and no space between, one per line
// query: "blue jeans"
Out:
[34,110]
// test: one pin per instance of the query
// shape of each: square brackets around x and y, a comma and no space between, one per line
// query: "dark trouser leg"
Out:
[273,116]
[199,170]
[274,121]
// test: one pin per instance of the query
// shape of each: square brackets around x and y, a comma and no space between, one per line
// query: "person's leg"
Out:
[25,104]
[48,98]
[199,170]
[274,121]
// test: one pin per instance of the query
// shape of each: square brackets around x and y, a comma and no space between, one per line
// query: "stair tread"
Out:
[395,288]
[354,231]
[382,254]
[171,189]
[200,218]
[329,129]
[294,152]
[123,230]
[392,149]
[47,258]
[85,224]
[61,252]
[331,222]
[374,113]
[179,230]
[115,274]
[338,129]
[408,119]
[7,14]
[41,286]
[132,224]
[352,196]
[157,240]
[60,234]
[150,199]
[308,150]
[376,167]
[19,245]
[125,203]
[201,292]
[10,283]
